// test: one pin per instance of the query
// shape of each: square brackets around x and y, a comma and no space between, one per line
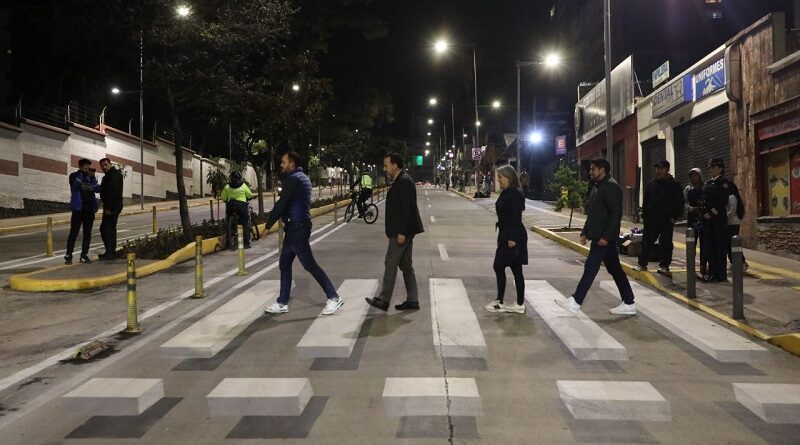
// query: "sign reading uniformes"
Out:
[709,79]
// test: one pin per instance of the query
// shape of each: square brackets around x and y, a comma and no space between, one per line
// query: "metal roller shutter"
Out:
[707,136]
[653,150]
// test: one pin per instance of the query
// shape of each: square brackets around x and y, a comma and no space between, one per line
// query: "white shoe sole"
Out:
[515,311]
[279,311]
[613,312]
[331,311]
[563,305]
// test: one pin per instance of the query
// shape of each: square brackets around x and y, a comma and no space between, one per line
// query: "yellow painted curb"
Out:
[28,283]
[788,342]
[464,195]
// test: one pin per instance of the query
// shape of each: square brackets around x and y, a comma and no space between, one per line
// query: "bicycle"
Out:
[370,209]
[233,233]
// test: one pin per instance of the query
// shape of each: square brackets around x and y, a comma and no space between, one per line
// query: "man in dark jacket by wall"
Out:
[402,224]
[662,206]
[604,215]
[111,195]
[83,204]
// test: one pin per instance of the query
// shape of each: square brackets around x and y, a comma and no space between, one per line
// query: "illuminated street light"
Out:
[535,137]
[427,152]
[429,133]
[478,123]
[552,60]
[115,90]
[295,87]
[465,134]
[427,143]
[430,121]
[496,104]
[432,101]
[183,11]
[441,46]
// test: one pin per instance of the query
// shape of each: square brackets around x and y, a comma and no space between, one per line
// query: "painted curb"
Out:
[788,342]
[463,195]
[27,283]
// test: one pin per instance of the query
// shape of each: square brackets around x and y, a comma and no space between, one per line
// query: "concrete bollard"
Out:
[211,208]
[738,278]
[155,221]
[240,236]
[280,236]
[198,268]
[691,277]
[133,311]
[49,236]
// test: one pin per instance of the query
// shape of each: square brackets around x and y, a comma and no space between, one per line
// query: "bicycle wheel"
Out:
[370,214]
[349,211]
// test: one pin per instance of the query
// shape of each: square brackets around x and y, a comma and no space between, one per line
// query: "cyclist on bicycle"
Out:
[366,191]
[236,194]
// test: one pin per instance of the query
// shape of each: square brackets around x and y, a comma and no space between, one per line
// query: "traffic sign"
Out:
[476,154]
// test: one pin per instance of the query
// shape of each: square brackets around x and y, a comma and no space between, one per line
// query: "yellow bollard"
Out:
[280,236]
[240,235]
[133,311]
[49,236]
[155,221]
[211,208]
[198,268]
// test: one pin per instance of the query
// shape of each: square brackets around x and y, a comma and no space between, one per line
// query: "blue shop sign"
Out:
[673,95]
[709,79]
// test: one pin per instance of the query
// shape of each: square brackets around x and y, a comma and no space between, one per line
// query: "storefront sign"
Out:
[780,128]
[709,79]
[661,74]
[590,111]
[561,145]
[673,95]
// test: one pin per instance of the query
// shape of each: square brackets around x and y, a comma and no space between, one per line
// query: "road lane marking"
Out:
[443,253]
[456,332]
[433,219]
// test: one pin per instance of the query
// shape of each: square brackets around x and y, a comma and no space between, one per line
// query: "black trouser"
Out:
[716,241]
[362,198]
[653,228]
[78,219]
[239,208]
[733,230]
[519,280]
[108,231]
[607,254]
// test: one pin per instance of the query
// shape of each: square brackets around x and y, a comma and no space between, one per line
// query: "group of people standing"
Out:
[714,209]
[84,205]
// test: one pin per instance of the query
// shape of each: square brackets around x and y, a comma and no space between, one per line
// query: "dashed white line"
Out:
[433,219]
[443,253]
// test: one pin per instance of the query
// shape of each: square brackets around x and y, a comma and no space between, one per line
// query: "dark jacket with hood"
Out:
[111,191]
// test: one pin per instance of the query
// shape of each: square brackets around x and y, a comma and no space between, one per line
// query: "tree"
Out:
[570,188]
[194,60]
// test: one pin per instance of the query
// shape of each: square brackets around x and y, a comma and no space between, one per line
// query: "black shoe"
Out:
[85,259]
[106,257]
[247,246]
[378,303]
[67,259]
[407,306]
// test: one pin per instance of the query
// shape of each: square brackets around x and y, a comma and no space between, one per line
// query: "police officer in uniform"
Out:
[715,220]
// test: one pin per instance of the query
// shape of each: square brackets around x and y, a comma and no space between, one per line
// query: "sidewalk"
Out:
[771,287]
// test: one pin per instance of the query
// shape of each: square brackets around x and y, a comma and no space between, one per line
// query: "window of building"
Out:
[781,173]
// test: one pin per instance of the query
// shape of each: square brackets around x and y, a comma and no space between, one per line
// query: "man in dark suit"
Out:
[111,195]
[402,224]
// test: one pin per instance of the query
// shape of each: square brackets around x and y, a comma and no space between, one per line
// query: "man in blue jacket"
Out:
[83,205]
[294,208]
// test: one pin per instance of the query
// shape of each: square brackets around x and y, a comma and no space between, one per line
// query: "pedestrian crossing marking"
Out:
[609,400]
[443,253]
[773,403]
[240,397]
[456,332]
[404,397]
[114,396]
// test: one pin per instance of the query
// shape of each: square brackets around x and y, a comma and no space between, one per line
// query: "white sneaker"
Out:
[624,309]
[569,304]
[332,305]
[640,268]
[664,270]
[515,308]
[277,308]
[495,306]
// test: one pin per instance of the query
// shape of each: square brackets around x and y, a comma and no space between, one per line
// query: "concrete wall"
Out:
[35,160]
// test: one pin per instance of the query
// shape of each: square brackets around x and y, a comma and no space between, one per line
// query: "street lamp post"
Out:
[441,46]
[607,45]
[141,119]
[551,60]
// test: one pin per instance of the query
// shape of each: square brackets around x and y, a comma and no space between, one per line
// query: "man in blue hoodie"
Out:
[83,205]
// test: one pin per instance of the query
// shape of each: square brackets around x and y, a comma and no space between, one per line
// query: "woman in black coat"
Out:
[512,240]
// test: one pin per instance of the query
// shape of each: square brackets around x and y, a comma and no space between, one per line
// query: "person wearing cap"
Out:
[715,221]
[662,206]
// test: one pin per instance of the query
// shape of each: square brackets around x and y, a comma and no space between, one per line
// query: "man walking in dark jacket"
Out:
[111,195]
[294,209]
[402,224]
[662,206]
[83,205]
[604,215]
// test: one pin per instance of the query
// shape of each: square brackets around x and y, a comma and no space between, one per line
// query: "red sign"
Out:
[561,145]
[786,126]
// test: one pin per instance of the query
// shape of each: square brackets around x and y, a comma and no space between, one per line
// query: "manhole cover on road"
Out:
[793,325]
